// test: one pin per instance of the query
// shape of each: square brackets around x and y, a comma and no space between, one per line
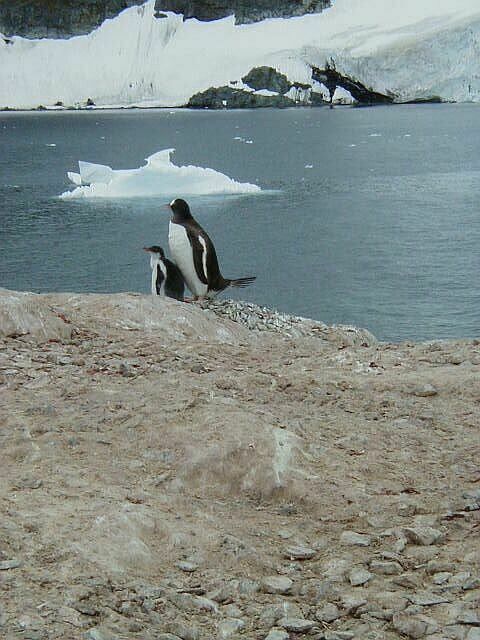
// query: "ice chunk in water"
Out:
[158,177]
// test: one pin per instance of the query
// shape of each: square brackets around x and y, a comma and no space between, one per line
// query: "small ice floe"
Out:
[248,141]
[374,135]
[407,135]
[352,145]
[51,144]
[158,177]
[239,138]
[309,166]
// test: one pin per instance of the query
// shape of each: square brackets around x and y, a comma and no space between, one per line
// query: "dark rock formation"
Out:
[244,10]
[65,18]
[57,18]
[267,78]
[332,79]
[230,98]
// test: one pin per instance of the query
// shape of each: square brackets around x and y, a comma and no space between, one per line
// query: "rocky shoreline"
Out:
[174,471]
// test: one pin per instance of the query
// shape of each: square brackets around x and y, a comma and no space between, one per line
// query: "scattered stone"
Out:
[296,625]
[425,391]
[386,568]
[413,626]
[339,635]
[423,535]
[471,583]
[230,626]
[5,565]
[391,601]
[328,613]
[426,599]
[277,584]
[100,633]
[274,612]
[469,616]
[355,539]
[277,634]
[351,602]
[29,483]
[248,587]
[399,545]
[205,604]
[407,510]
[299,553]
[232,611]
[437,566]
[187,567]
[182,631]
[441,577]
[358,576]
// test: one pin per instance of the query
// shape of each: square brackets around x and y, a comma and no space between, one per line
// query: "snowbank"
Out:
[158,177]
[415,48]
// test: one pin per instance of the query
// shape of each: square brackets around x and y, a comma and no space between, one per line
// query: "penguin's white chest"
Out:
[155,263]
[182,254]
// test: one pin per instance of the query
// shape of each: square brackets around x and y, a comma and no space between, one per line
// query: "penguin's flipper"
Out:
[199,252]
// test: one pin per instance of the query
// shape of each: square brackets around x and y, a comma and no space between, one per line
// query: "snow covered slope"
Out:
[415,48]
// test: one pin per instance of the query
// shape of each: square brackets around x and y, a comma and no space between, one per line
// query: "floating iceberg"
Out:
[159,177]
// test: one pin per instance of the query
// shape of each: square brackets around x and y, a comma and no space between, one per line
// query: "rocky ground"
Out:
[169,473]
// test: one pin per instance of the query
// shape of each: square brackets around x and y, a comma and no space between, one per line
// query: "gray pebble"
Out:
[328,613]
[229,627]
[425,391]
[386,568]
[277,634]
[296,625]
[9,564]
[299,553]
[187,567]
[441,577]
[277,584]
[413,626]
[426,599]
[423,535]
[355,539]
[100,633]
[358,576]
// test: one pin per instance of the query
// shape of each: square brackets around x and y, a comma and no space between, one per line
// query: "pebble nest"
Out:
[257,318]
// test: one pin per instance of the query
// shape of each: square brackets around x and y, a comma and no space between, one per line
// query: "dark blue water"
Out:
[383,232]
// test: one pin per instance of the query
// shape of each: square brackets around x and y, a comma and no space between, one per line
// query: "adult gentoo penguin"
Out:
[195,255]
[166,277]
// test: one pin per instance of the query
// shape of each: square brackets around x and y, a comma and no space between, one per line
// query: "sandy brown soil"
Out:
[166,473]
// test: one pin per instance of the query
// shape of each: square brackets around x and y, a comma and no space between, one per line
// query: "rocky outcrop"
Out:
[57,18]
[169,473]
[244,10]
[270,89]
[231,98]
[63,19]
[267,78]
[331,78]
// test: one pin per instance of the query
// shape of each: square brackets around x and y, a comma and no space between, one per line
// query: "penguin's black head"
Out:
[155,249]
[181,210]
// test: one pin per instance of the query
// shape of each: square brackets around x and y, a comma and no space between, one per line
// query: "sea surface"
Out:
[370,216]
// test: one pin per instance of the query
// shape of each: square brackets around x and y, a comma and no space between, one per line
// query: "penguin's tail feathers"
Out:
[242,282]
